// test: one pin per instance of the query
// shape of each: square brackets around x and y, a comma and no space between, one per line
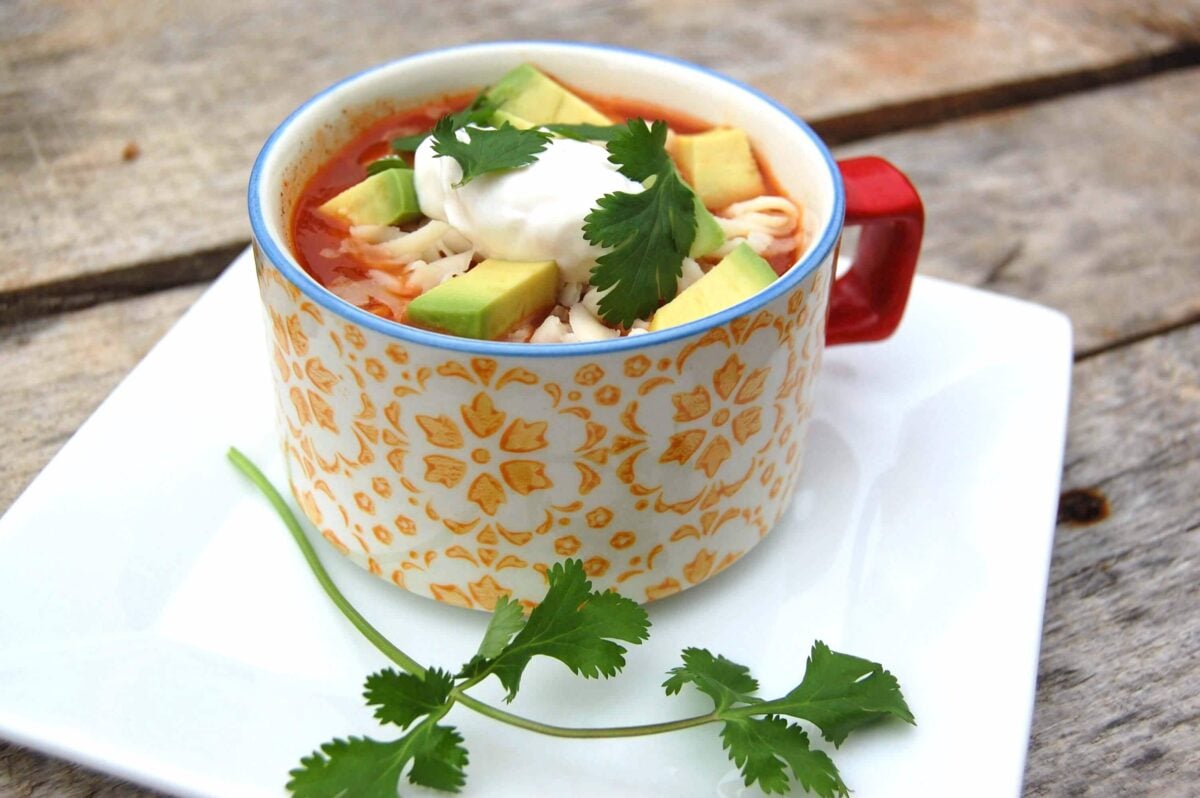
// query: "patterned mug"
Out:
[462,469]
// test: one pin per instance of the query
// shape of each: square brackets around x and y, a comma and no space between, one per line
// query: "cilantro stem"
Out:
[389,650]
[360,623]
[577,732]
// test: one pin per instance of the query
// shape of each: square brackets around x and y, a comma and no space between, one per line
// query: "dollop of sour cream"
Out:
[532,213]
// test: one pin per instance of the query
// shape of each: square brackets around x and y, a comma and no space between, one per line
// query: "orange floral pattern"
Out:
[464,478]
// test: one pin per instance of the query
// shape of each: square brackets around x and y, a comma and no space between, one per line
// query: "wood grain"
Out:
[1117,708]
[1087,204]
[58,369]
[196,87]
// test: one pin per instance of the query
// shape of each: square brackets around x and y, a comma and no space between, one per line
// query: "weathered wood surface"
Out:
[58,369]
[1117,709]
[1087,204]
[196,87]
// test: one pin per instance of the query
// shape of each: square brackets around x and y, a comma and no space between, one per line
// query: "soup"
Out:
[535,213]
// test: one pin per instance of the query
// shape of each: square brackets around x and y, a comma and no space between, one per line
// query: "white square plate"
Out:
[139,633]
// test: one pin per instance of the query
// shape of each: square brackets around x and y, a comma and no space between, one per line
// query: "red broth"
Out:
[316,238]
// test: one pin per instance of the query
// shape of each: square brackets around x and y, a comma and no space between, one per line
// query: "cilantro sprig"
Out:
[488,149]
[583,629]
[478,112]
[649,233]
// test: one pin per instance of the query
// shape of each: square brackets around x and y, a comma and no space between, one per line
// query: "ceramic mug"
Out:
[462,469]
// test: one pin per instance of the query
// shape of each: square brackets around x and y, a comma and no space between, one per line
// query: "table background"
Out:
[1056,145]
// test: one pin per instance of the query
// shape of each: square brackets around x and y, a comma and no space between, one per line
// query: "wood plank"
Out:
[58,369]
[196,87]
[1117,709]
[1086,204]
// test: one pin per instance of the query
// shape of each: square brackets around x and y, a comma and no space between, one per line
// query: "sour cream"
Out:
[532,213]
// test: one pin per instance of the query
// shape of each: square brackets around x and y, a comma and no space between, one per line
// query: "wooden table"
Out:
[1057,147]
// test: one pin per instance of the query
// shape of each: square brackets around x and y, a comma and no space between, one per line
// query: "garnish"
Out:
[385,163]
[580,627]
[585,132]
[488,150]
[649,233]
[479,112]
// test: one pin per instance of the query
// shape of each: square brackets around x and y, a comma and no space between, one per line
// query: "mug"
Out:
[462,470]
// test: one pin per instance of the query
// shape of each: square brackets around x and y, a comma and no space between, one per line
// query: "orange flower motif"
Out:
[636,366]
[483,421]
[708,441]
[589,375]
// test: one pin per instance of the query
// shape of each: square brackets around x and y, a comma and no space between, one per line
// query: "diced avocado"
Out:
[500,117]
[719,165]
[529,95]
[489,300]
[709,234]
[740,275]
[384,198]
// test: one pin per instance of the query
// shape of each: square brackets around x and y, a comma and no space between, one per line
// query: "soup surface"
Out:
[372,266]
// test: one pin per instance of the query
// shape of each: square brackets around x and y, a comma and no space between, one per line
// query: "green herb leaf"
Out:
[479,112]
[762,748]
[494,150]
[402,698]
[507,619]
[640,150]
[840,693]
[360,767]
[649,233]
[440,760]
[725,682]
[385,163]
[574,626]
[409,143]
[584,131]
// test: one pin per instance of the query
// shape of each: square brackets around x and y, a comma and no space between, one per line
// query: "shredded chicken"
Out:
[770,225]
[424,275]
[391,248]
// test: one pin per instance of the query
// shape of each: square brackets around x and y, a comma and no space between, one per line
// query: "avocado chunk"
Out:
[525,95]
[489,300]
[709,235]
[719,165]
[384,198]
[740,275]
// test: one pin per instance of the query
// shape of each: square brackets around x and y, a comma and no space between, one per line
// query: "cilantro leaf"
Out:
[360,767]
[440,760]
[479,112]
[640,151]
[401,698]
[649,233]
[575,626]
[762,748]
[385,163]
[722,680]
[583,131]
[488,150]
[409,143]
[507,620]
[840,693]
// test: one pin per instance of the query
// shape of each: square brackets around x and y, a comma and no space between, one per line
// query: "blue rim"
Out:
[291,269]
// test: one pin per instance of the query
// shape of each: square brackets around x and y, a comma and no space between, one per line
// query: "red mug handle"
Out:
[867,301]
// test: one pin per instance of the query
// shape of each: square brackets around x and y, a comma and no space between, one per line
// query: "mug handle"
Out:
[867,301]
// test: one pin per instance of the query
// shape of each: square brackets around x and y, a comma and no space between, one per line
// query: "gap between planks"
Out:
[149,276]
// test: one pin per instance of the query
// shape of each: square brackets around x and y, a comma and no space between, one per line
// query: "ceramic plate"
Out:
[139,633]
